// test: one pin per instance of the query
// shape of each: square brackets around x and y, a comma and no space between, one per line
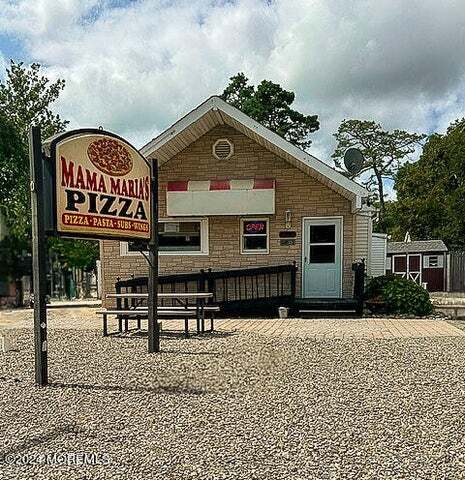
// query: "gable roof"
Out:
[417,246]
[215,111]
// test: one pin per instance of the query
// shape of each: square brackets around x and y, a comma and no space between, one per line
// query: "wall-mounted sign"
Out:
[102,186]
[287,234]
[254,226]
[286,242]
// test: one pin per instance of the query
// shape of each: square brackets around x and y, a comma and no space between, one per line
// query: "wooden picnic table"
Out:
[181,297]
[162,295]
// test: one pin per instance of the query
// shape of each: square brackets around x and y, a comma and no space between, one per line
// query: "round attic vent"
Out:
[223,149]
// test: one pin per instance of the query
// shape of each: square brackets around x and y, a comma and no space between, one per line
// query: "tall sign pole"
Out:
[153,326]
[92,184]
[38,256]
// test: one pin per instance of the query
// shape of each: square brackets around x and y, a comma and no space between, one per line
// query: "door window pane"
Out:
[322,234]
[322,253]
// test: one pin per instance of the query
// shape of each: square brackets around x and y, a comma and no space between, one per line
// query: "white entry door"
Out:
[322,258]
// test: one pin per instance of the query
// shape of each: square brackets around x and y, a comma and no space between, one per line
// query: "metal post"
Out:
[293,280]
[153,326]
[38,256]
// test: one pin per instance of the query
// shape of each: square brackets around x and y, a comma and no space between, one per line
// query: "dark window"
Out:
[179,237]
[174,237]
[322,253]
[254,236]
[254,243]
[322,234]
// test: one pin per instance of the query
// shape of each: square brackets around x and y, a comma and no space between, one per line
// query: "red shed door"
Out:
[407,266]
[399,265]
[414,268]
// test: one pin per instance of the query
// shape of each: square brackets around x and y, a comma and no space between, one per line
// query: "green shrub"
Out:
[376,285]
[399,295]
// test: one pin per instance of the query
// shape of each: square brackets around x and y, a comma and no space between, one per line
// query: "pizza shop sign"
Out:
[89,184]
[101,186]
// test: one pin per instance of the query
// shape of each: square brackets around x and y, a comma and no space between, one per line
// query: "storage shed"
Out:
[423,261]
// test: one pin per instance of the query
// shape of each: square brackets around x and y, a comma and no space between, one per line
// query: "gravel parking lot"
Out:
[235,406]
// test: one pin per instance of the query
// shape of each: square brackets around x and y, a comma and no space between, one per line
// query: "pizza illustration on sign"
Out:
[110,157]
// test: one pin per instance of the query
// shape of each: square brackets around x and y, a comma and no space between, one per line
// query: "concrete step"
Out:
[326,311]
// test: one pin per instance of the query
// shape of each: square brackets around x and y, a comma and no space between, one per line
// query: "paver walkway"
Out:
[343,328]
[374,328]
[86,319]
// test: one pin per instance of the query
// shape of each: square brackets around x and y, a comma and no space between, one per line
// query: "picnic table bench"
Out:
[134,310]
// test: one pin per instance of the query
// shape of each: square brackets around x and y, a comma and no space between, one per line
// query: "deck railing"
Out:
[235,291]
[249,291]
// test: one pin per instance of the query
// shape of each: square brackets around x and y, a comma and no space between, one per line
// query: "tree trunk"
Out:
[382,205]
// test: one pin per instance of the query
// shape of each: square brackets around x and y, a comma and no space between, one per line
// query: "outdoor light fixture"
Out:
[288,217]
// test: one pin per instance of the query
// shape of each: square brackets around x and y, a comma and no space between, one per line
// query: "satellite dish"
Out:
[353,160]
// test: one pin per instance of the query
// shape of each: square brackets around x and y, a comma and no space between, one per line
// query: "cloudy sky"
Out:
[134,67]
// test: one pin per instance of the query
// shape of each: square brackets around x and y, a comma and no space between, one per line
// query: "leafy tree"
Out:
[270,105]
[14,166]
[391,223]
[431,192]
[25,99]
[14,258]
[75,253]
[383,151]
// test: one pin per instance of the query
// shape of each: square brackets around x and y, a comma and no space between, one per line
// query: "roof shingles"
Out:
[417,246]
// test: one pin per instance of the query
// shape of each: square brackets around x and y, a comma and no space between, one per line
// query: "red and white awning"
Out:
[220,197]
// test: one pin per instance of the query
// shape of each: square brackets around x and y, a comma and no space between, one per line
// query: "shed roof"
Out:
[417,246]
[215,111]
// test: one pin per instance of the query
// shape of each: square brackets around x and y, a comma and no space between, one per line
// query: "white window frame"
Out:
[241,236]
[204,239]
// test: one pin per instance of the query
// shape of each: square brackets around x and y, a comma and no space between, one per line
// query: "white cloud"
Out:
[136,68]
[3,66]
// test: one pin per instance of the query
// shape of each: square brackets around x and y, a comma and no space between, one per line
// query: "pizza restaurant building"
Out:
[234,195]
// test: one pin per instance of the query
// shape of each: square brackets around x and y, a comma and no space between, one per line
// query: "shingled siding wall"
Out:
[301,194]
